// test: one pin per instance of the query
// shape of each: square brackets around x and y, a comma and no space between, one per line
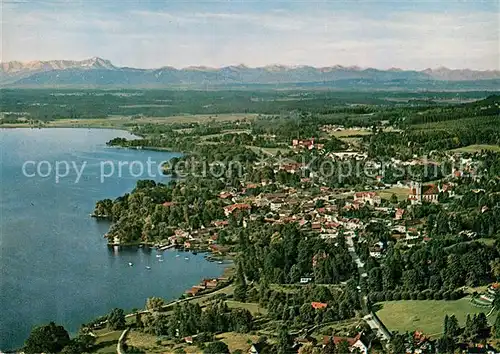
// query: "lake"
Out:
[54,262]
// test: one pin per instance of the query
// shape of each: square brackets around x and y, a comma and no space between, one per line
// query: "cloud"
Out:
[146,38]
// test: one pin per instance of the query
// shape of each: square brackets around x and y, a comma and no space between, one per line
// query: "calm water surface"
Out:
[54,262]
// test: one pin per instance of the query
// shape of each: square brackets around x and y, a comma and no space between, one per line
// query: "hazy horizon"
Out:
[290,66]
[153,34]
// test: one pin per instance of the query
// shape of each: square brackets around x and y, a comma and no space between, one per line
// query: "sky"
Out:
[151,33]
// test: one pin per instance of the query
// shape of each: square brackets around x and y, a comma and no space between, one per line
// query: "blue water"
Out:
[54,262]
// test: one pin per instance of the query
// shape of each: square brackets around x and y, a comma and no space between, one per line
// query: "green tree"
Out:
[154,303]
[468,330]
[240,290]
[329,348]
[342,347]
[452,329]
[216,347]
[397,345]
[49,339]
[116,319]
[496,327]
[80,344]
[283,340]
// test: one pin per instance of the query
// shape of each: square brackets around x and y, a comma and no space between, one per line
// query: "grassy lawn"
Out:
[339,328]
[237,341]
[478,148]
[269,151]
[254,308]
[401,193]
[234,131]
[106,342]
[145,342]
[427,315]
[123,121]
[354,141]
[149,343]
[350,133]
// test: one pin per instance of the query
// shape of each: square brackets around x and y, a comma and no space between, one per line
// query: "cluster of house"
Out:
[320,213]
[308,144]
[423,344]
[359,342]
[207,285]
[486,298]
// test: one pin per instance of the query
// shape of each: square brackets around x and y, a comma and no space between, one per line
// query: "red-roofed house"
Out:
[318,305]
[292,167]
[221,223]
[359,342]
[194,291]
[399,214]
[316,226]
[210,283]
[228,210]
[367,197]
[308,143]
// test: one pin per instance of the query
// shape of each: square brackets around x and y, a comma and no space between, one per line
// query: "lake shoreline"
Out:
[85,235]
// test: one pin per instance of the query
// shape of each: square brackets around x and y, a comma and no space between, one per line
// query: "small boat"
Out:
[148,267]
[186,258]
[177,255]
[158,255]
[160,260]
[130,264]
[220,262]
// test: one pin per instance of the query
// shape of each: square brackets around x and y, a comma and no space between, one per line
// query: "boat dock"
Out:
[162,248]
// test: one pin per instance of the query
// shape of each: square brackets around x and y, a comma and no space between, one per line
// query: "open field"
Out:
[123,121]
[107,343]
[354,141]
[145,342]
[145,105]
[350,133]
[426,315]
[153,344]
[269,151]
[469,122]
[477,148]
[149,343]
[232,131]
[401,193]
[254,308]
[339,328]
[237,341]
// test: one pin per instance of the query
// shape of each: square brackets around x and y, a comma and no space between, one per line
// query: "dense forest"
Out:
[56,104]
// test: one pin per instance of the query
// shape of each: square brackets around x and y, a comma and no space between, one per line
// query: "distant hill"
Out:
[97,72]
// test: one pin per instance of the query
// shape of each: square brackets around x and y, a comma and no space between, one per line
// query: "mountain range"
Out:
[97,72]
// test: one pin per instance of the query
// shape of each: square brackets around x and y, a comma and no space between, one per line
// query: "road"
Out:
[374,323]
[355,257]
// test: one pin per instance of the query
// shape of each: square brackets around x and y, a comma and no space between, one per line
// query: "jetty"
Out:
[162,248]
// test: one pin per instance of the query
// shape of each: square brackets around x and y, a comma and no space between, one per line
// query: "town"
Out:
[335,248]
